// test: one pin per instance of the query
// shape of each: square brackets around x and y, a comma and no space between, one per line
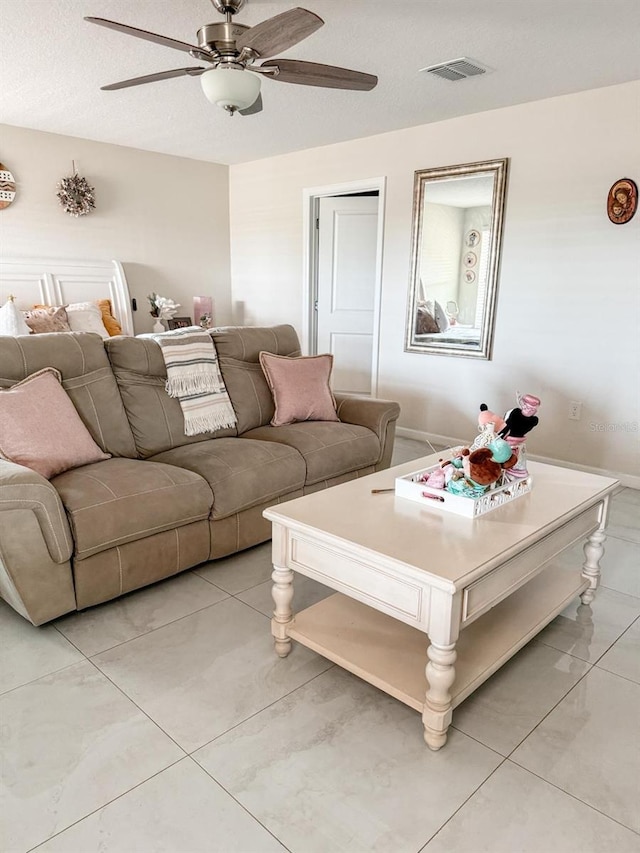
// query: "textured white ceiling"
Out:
[53,63]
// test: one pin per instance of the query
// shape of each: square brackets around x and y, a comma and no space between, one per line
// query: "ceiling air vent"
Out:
[455,69]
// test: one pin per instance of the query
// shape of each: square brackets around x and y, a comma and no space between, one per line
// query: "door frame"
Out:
[310,202]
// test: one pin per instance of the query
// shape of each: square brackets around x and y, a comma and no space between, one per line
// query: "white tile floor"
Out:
[164,722]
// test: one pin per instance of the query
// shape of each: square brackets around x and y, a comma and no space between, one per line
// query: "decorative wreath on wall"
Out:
[76,197]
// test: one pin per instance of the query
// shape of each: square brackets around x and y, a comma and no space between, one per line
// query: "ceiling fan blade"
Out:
[144,34]
[280,33]
[195,71]
[315,74]
[256,107]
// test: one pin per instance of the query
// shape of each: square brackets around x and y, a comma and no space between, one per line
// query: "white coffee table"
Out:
[479,588]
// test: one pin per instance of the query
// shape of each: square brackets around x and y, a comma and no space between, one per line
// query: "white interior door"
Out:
[347,259]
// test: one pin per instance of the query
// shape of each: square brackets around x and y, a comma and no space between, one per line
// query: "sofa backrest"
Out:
[86,377]
[238,350]
[155,418]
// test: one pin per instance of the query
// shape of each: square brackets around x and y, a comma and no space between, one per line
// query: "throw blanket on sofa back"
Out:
[194,377]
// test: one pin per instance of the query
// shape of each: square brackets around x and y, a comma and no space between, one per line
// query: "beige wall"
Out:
[166,218]
[568,305]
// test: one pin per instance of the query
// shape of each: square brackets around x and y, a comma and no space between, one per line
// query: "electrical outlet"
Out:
[575,410]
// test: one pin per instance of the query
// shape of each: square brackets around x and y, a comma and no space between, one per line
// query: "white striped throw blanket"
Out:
[194,377]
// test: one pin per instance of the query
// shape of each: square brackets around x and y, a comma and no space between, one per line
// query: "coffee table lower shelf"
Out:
[392,655]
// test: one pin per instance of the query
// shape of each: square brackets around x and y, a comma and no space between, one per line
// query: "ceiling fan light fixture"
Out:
[230,88]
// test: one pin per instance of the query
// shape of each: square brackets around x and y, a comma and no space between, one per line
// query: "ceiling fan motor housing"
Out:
[221,36]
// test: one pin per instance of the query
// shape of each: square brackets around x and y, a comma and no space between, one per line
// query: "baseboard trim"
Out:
[630,481]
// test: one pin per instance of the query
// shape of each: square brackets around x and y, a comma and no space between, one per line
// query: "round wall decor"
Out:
[7,187]
[76,196]
[472,239]
[470,259]
[622,201]
[469,276]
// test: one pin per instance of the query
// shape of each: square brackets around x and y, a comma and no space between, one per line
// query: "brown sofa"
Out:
[164,502]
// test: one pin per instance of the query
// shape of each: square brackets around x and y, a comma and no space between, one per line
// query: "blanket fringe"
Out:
[204,423]
[196,383]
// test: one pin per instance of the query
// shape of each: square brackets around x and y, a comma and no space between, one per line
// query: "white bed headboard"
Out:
[53,281]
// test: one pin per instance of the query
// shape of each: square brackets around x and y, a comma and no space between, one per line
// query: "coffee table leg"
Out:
[282,593]
[593,551]
[437,711]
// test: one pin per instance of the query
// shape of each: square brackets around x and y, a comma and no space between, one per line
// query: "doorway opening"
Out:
[343,228]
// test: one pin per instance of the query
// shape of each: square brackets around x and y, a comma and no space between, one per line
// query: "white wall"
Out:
[166,218]
[568,319]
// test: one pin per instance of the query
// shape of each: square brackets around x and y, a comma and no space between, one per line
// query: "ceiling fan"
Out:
[231,80]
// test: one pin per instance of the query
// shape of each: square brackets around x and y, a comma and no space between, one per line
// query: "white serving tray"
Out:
[409,487]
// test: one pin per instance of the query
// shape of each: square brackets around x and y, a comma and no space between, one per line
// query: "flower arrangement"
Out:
[161,307]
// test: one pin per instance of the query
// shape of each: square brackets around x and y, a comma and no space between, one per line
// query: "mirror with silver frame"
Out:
[457,232]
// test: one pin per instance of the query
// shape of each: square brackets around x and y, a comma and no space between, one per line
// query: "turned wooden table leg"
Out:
[282,593]
[593,551]
[437,711]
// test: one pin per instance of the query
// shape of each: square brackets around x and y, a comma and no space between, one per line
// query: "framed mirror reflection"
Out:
[458,214]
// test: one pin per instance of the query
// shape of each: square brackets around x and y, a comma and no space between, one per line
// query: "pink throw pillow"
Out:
[300,387]
[40,428]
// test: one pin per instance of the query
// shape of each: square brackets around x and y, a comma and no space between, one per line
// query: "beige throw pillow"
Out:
[40,428]
[86,317]
[52,319]
[300,387]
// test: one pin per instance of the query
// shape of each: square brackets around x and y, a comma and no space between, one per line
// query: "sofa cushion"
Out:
[86,377]
[241,474]
[156,420]
[27,412]
[328,449]
[121,500]
[238,352]
[135,564]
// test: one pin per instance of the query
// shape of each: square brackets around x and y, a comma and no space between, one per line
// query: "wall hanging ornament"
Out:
[76,197]
[622,201]
[7,187]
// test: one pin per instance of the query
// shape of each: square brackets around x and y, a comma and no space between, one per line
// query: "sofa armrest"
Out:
[22,488]
[35,546]
[379,416]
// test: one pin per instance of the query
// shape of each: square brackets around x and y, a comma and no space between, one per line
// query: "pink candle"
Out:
[203,307]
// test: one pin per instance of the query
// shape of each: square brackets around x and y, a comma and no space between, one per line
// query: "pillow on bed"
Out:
[91,317]
[12,320]
[425,323]
[41,429]
[47,319]
[110,323]
[86,317]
